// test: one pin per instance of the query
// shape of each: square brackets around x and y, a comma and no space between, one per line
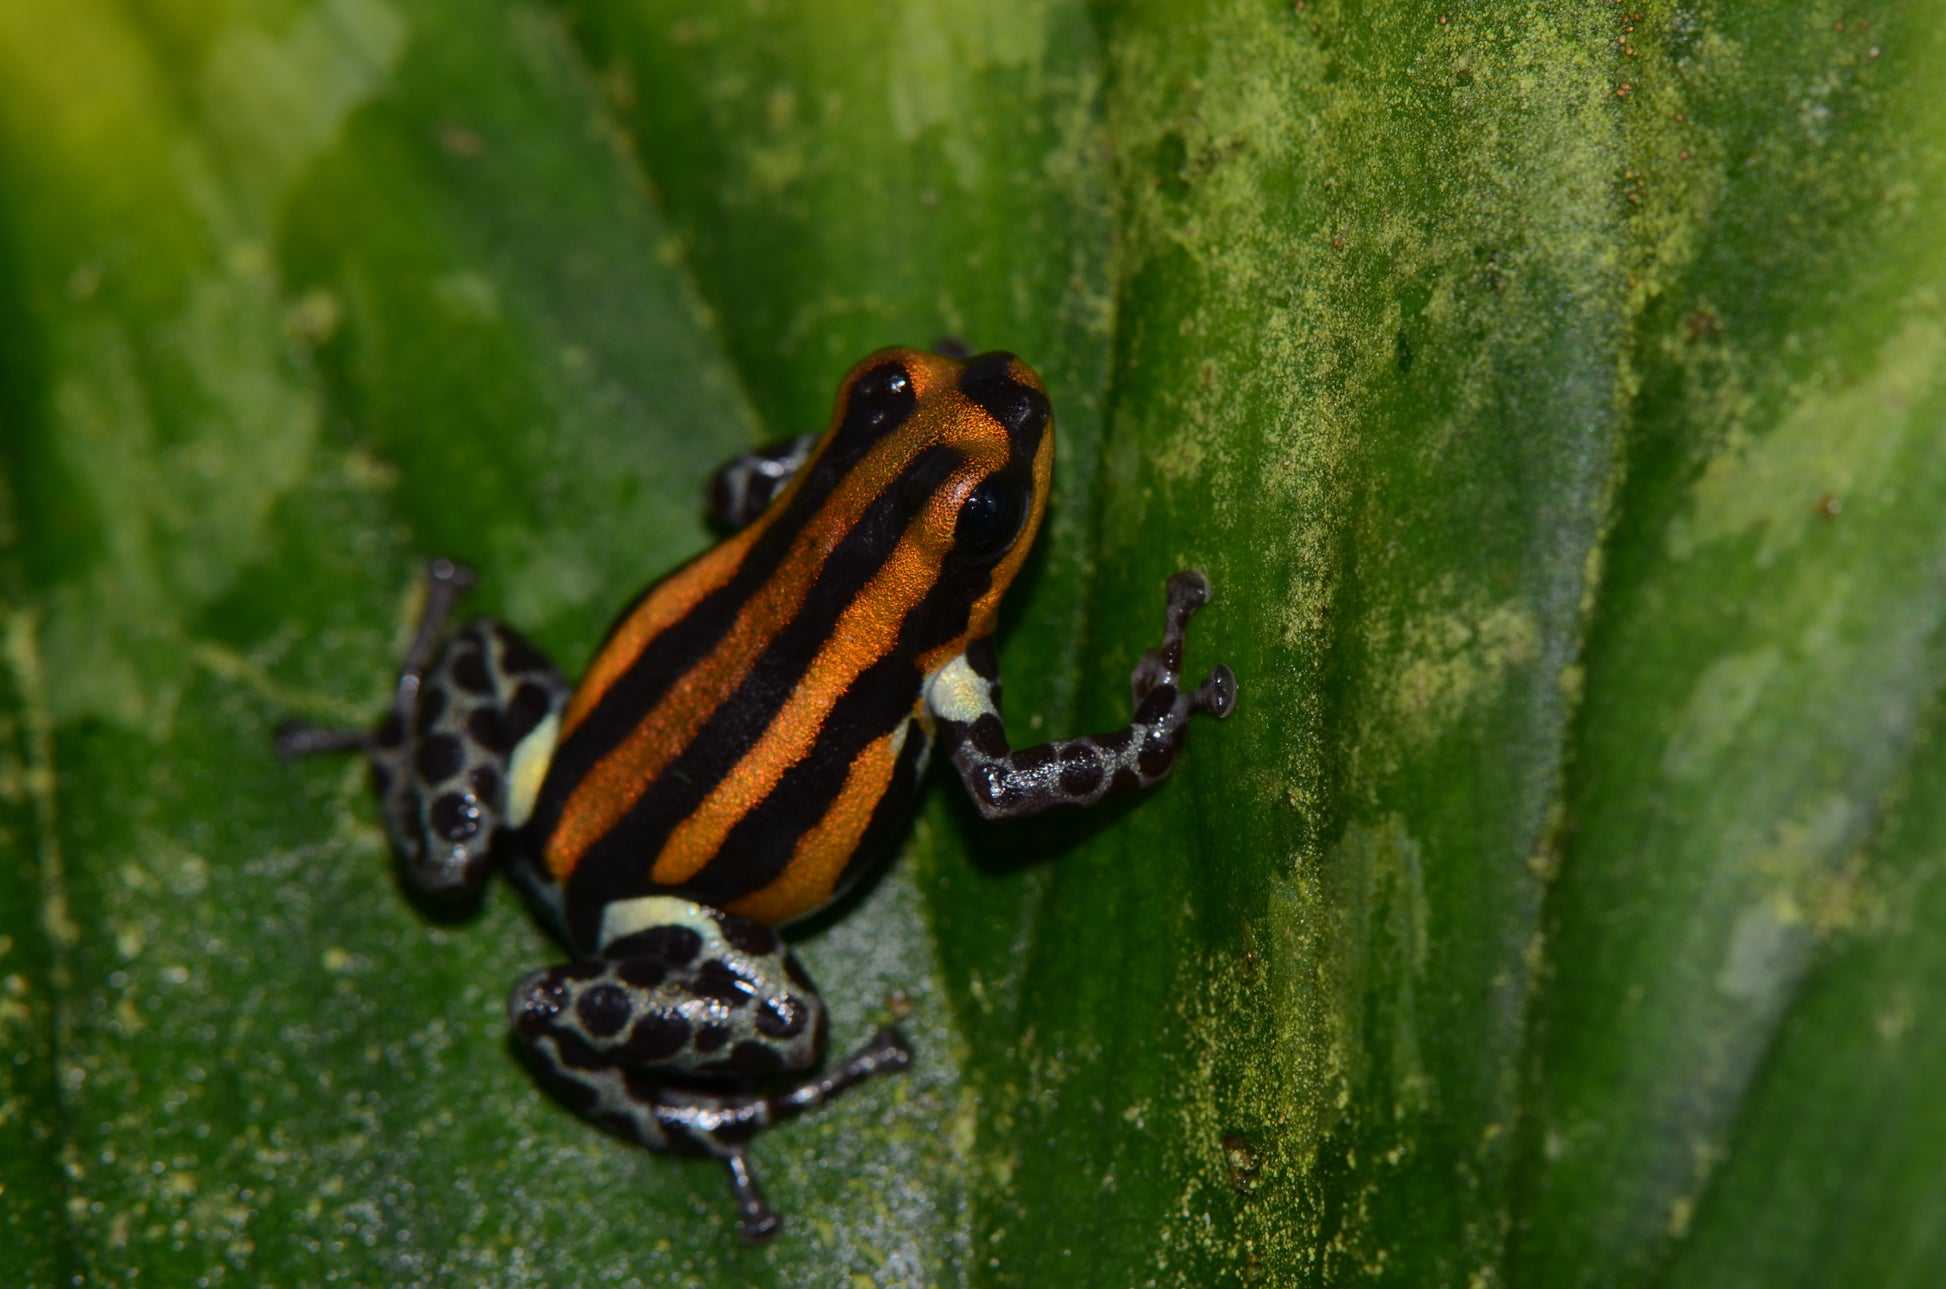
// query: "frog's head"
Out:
[930,485]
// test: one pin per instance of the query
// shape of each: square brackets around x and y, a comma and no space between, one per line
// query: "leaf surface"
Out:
[1554,395]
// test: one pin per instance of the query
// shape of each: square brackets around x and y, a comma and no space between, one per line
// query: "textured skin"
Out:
[1009,784]
[747,741]
[441,768]
[696,991]
[753,719]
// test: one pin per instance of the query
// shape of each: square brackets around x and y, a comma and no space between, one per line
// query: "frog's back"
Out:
[749,735]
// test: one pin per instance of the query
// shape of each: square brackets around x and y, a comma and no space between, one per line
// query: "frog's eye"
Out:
[990,519]
[881,394]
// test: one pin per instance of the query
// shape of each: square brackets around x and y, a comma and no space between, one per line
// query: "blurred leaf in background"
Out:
[1555,394]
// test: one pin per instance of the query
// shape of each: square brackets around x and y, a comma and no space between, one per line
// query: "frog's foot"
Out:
[698,1123]
[630,1103]
[446,582]
[461,754]
[1161,668]
[744,486]
[1009,783]
[684,994]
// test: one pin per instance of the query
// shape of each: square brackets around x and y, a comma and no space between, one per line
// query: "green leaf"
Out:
[1555,396]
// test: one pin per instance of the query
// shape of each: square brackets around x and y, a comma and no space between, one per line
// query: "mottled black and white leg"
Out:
[461,753]
[1009,783]
[743,487]
[685,992]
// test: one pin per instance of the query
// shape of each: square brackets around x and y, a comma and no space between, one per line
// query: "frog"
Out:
[747,744]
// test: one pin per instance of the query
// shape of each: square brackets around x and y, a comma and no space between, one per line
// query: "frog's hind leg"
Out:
[632,1104]
[461,754]
[686,993]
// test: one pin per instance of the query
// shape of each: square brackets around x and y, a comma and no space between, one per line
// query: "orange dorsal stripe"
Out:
[666,606]
[615,783]
[865,632]
[821,854]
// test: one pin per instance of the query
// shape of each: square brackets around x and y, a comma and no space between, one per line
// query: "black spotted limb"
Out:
[744,487]
[457,759]
[676,990]
[685,991]
[1014,783]
[746,743]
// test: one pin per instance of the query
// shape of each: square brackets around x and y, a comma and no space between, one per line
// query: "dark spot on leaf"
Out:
[1243,1159]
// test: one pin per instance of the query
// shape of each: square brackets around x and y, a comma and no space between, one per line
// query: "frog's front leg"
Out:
[1006,783]
[745,485]
[684,992]
[461,754]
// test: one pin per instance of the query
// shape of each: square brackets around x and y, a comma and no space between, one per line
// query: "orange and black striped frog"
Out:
[747,743]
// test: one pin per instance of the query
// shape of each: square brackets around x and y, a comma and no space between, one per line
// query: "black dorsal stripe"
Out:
[759,855]
[617,866]
[1021,409]
[684,643]
[868,420]
[761,845]
[889,816]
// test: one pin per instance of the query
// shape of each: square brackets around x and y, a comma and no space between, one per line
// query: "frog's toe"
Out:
[757,1221]
[1217,695]
[1188,591]
[301,738]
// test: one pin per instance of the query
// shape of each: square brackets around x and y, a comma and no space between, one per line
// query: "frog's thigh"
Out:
[470,760]
[680,988]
